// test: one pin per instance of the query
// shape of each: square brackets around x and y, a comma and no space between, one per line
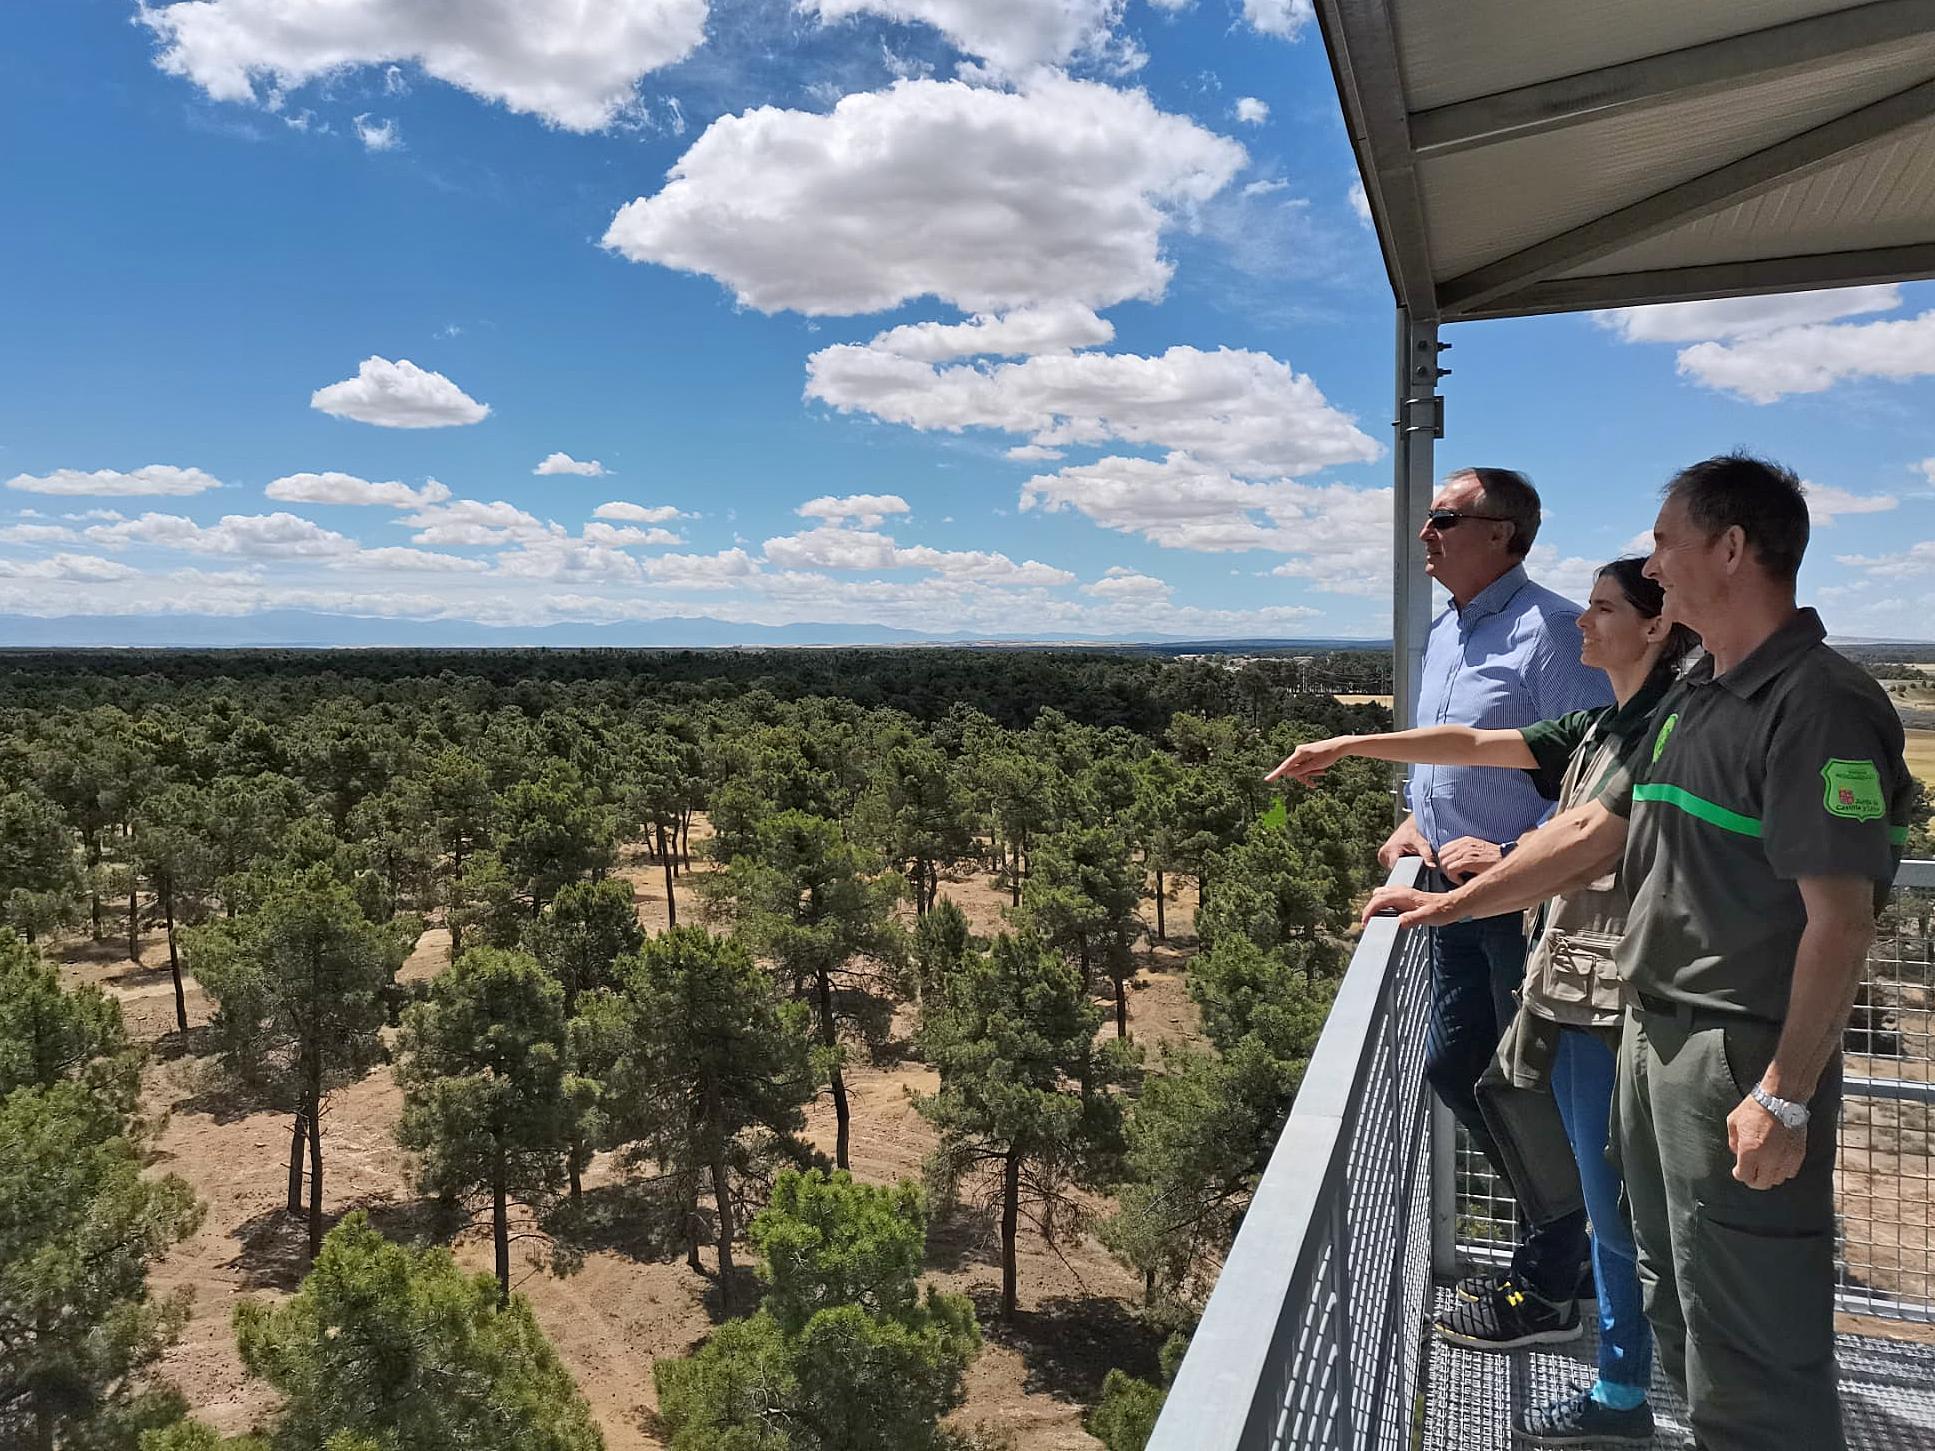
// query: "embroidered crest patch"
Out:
[1665,735]
[1853,790]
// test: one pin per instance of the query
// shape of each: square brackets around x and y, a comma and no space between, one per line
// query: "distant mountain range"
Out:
[308,630]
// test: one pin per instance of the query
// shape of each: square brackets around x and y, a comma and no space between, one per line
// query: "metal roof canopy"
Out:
[1532,156]
[1529,156]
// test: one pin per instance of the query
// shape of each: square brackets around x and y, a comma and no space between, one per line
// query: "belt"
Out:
[1693,1018]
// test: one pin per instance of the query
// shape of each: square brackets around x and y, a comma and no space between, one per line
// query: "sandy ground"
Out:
[631,1301]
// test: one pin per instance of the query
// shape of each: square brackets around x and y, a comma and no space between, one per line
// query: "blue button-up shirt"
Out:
[1507,659]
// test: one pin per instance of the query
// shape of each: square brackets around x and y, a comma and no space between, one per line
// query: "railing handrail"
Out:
[1214,1403]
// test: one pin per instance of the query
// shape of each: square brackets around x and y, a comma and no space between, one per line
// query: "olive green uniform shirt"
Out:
[1787,766]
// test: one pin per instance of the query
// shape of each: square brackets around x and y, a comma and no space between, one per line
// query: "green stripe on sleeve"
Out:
[1699,806]
[1719,816]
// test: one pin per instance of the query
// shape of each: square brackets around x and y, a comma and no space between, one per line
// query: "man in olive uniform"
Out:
[1760,833]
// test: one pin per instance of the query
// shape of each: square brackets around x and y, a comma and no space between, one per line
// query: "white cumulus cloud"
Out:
[1251,111]
[637,513]
[627,536]
[1285,18]
[268,536]
[399,395]
[563,463]
[76,568]
[335,488]
[575,63]
[1339,537]
[1740,317]
[154,479]
[1053,328]
[1124,584]
[1011,35]
[37,534]
[472,523]
[864,550]
[1826,503]
[865,510]
[1246,411]
[988,199]
[377,133]
[1770,366]
[420,560]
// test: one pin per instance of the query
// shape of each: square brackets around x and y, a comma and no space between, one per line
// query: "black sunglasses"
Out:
[1443,519]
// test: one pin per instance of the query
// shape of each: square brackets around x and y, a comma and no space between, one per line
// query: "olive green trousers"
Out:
[1738,1282]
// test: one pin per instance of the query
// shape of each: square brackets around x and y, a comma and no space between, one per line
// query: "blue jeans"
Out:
[1475,968]
[1582,1082]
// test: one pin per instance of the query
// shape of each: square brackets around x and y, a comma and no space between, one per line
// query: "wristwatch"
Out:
[1792,1115]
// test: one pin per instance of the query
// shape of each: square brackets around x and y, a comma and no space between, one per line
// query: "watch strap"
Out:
[1791,1114]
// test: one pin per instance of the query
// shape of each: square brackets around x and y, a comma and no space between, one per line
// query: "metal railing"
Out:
[1313,1335]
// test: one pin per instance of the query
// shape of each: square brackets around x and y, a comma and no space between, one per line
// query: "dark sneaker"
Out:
[1473,1288]
[1579,1420]
[1509,1318]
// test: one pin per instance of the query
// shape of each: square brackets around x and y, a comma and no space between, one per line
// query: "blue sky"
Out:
[1010,316]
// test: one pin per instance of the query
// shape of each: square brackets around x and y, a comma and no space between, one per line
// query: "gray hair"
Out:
[1510,495]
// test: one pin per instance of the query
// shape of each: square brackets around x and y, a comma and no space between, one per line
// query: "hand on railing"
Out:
[1413,908]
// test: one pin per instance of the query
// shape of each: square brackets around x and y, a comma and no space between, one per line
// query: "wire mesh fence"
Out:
[1312,1338]
[1885,1240]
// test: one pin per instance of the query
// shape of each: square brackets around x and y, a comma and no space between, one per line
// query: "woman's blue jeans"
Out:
[1582,1082]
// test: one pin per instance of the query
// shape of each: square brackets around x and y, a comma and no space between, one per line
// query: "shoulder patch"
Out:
[1853,791]
[1665,735]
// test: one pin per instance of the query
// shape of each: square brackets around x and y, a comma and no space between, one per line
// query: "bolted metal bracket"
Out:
[1422,414]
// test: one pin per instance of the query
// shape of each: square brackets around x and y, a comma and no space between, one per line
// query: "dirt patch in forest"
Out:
[629,1302]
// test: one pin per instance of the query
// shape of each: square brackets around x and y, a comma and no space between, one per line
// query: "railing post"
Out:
[1444,1190]
[1346,1371]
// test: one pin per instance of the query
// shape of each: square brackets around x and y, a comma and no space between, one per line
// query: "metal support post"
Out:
[1444,1190]
[1419,423]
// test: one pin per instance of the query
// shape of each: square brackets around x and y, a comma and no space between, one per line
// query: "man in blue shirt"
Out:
[1503,655]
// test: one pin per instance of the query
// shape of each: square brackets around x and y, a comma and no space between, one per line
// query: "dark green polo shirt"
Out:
[1627,728]
[1788,766]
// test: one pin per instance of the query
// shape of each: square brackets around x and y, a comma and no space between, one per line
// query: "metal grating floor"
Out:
[1887,1393]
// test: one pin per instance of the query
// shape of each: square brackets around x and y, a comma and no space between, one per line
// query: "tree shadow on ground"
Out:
[959,1235]
[746,1295]
[1069,1344]
[197,1042]
[626,1219]
[274,1253]
[226,1098]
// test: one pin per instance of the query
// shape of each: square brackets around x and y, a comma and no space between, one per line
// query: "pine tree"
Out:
[712,1071]
[579,940]
[810,902]
[390,1349]
[918,816]
[552,832]
[79,1221]
[581,935]
[172,857]
[1024,1109]
[1083,892]
[846,1354]
[299,985]
[1125,1418]
[40,879]
[49,1035]
[485,1098]
[1203,1128]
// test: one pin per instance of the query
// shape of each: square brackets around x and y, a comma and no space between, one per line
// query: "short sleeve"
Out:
[1833,769]
[1553,744]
